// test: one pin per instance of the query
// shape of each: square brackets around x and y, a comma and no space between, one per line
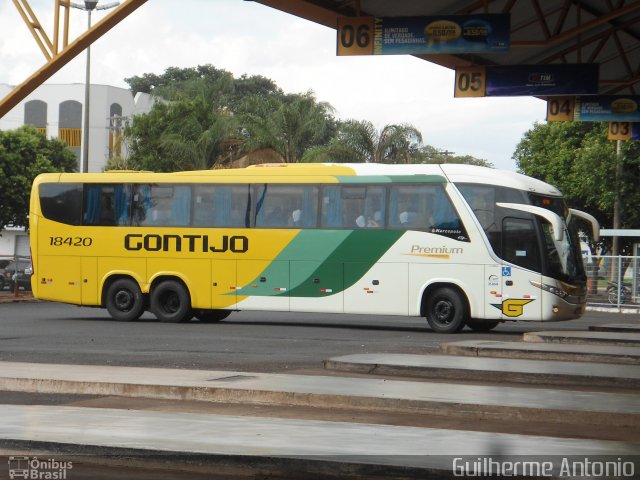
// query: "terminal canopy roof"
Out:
[605,32]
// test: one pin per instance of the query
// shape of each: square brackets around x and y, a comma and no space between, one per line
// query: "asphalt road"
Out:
[246,341]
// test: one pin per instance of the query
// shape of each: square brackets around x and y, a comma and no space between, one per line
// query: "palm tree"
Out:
[289,126]
[359,141]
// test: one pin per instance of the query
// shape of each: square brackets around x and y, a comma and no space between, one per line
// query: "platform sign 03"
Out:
[624,131]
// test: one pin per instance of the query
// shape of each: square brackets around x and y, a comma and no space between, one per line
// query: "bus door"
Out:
[493,292]
[224,284]
[316,286]
[60,278]
[382,290]
[89,270]
[263,284]
[520,299]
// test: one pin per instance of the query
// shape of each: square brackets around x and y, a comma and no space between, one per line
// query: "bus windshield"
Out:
[560,259]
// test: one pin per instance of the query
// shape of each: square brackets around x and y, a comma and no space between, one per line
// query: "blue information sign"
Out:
[423,35]
[443,34]
[607,108]
[556,79]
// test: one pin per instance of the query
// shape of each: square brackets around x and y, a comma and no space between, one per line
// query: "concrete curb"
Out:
[541,351]
[491,374]
[626,339]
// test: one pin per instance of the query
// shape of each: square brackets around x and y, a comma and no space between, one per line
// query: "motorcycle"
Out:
[619,295]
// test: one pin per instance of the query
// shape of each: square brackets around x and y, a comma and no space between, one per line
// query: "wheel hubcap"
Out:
[124,300]
[170,303]
[443,311]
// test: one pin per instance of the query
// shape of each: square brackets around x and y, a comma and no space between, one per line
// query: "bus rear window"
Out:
[61,202]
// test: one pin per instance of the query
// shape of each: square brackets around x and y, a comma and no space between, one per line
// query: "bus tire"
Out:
[211,316]
[170,302]
[124,300]
[446,310]
[482,325]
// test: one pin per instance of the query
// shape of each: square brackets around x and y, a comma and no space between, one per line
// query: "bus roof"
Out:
[328,173]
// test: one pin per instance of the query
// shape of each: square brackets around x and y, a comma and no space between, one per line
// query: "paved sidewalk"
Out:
[524,404]
[419,452]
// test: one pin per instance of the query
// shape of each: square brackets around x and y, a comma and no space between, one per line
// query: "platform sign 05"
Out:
[470,82]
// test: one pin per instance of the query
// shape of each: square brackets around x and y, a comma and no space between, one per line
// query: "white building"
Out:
[58,111]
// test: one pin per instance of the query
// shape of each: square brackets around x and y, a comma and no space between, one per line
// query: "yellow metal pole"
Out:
[20,92]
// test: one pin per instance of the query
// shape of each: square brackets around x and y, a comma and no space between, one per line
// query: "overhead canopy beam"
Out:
[20,92]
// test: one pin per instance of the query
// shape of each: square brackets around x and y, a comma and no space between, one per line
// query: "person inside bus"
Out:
[296,218]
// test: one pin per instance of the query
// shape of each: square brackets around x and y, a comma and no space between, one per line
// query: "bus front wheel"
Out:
[170,302]
[124,300]
[446,310]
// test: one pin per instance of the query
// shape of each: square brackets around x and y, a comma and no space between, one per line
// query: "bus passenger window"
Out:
[286,206]
[107,205]
[411,206]
[61,202]
[162,205]
[353,207]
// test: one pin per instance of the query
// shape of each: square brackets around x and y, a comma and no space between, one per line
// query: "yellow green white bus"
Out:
[457,244]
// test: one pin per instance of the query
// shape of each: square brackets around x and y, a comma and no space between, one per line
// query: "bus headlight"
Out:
[550,288]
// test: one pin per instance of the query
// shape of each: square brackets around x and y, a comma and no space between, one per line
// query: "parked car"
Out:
[21,275]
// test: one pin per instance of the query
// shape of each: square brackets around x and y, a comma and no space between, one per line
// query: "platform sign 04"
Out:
[561,109]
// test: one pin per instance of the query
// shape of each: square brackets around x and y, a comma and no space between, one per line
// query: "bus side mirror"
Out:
[595,226]
[557,223]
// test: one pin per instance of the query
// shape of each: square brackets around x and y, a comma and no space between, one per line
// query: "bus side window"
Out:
[285,206]
[520,243]
[204,206]
[106,204]
[61,202]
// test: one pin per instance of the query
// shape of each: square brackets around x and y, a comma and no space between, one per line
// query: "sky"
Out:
[244,37]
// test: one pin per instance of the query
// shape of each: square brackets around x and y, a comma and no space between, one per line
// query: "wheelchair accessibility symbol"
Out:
[506,271]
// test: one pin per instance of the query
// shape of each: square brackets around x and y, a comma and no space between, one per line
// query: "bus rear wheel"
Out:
[482,325]
[170,302]
[124,300]
[211,316]
[446,310]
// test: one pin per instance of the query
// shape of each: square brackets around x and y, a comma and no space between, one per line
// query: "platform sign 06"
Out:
[355,36]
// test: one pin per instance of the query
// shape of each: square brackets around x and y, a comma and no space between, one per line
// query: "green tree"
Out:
[577,158]
[182,135]
[360,141]
[430,154]
[24,154]
[290,126]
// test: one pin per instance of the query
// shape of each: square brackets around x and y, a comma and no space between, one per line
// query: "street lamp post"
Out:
[89,6]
